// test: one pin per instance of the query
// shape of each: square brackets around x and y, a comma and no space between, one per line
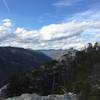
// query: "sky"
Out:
[49,24]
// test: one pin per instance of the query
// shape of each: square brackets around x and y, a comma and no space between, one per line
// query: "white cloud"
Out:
[25,34]
[98,34]
[67,29]
[79,30]
[7,23]
[5,28]
[62,3]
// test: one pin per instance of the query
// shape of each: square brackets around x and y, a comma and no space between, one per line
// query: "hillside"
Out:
[13,59]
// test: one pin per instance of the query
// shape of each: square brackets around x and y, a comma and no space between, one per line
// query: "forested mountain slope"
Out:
[13,59]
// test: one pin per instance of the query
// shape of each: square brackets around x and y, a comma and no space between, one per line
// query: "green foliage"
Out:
[17,84]
[93,98]
[49,64]
[68,87]
[81,86]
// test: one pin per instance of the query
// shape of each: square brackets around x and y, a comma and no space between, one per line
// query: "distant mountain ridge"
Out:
[56,54]
[13,59]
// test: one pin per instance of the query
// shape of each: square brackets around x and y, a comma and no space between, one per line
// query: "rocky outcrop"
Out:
[69,96]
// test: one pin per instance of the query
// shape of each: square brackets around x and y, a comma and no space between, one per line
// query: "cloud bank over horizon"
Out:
[74,32]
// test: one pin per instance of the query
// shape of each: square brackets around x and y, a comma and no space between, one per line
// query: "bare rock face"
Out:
[69,96]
